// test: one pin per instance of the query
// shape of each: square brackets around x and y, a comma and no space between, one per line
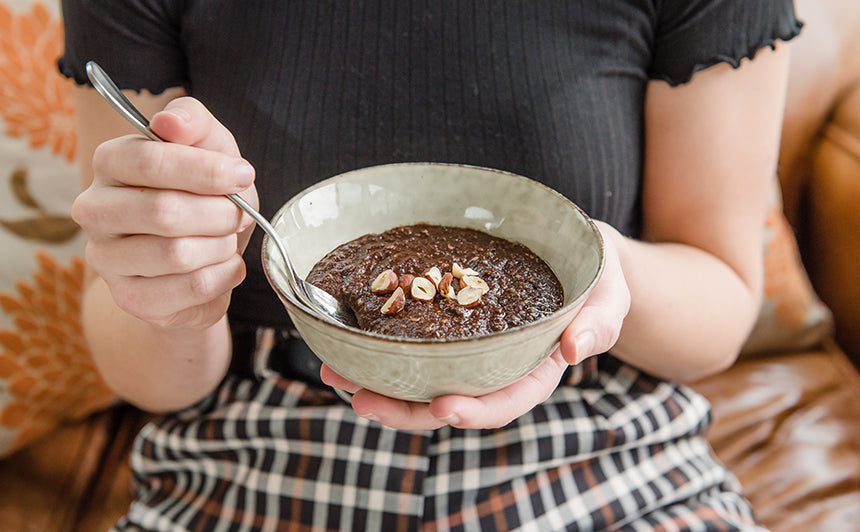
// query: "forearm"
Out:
[154,368]
[690,312]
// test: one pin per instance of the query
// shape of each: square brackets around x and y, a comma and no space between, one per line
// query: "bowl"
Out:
[378,198]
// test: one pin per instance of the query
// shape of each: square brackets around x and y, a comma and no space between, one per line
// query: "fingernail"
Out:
[247,222]
[584,345]
[244,174]
[371,416]
[450,419]
[182,114]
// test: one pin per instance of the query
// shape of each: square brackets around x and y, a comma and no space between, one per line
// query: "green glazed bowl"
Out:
[372,200]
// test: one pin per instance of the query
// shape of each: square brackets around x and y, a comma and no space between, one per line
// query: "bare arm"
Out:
[711,156]
[162,246]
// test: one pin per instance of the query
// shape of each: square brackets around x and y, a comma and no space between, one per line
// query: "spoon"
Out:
[314,298]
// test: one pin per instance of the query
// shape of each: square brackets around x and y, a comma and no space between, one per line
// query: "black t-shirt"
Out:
[550,89]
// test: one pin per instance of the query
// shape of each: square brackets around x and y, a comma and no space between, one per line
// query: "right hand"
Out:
[160,232]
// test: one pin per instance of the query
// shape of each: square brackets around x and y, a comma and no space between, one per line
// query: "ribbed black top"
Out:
[549,89]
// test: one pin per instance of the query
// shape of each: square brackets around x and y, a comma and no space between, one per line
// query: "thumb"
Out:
[597,326]
[187,121]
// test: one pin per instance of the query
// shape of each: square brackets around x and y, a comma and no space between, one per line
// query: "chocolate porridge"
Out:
[431,281]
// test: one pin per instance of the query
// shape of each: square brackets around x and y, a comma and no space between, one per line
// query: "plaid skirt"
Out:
[611,449]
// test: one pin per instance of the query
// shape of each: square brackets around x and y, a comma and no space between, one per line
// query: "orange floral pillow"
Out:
[47,370]
[46,374]
[792,317]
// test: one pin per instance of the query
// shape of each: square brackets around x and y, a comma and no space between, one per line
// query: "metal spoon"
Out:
[314,298]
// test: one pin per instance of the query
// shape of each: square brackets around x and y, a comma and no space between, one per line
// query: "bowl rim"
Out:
[288,296]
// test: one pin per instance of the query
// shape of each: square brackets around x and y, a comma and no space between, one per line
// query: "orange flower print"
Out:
[35,100]
[44,364]
[785,284]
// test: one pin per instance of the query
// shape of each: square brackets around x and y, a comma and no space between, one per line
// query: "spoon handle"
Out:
[110,92]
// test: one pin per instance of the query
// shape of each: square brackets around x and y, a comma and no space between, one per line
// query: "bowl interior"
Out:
[372,200]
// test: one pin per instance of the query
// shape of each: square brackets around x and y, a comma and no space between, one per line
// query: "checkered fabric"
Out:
[614,449]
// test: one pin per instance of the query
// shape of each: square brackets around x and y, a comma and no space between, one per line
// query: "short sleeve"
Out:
[138,42]
[695,34]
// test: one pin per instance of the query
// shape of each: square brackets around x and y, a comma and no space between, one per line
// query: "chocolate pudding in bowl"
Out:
[431,281]
[518,260]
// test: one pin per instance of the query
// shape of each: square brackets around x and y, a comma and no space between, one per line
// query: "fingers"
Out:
[390,412]
[334,380]
[138,162]
[113,211]
[198,317]
[493,410]
[499,408]
[403,415]
[190,299]
[200,154]
[152,256]
[187,121]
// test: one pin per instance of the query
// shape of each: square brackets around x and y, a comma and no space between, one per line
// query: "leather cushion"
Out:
[789,428]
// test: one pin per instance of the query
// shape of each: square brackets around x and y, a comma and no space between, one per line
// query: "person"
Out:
[660,119]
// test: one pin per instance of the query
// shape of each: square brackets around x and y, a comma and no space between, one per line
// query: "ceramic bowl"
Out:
[372,200]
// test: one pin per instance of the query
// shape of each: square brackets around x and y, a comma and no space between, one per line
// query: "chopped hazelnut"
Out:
[469,297]
[434,274]
[405,283]
[458,271]
[423,289]
[474,282]
[384,283]
[395,303]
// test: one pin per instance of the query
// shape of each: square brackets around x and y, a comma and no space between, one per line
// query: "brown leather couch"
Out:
[786,423]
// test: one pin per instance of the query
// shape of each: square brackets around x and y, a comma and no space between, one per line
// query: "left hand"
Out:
[594,330]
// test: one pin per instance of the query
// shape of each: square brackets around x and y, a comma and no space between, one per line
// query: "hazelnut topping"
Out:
[384,283]
[395,303]
[406,283]
[423,289]
[434,274]
[469,297]
[458,271]
[474,281]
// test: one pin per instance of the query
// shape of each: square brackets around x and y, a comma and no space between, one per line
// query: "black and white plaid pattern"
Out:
[616,450]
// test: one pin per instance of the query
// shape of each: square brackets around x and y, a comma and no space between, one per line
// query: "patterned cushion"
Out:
[46,374]
[792,317]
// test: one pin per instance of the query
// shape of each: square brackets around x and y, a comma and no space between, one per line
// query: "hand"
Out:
[159,230]
[595,330]
[598,325]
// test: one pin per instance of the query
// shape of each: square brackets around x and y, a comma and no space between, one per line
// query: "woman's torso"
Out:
[550,89]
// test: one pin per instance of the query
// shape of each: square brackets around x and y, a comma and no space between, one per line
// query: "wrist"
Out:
[154,368]
[621,244]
